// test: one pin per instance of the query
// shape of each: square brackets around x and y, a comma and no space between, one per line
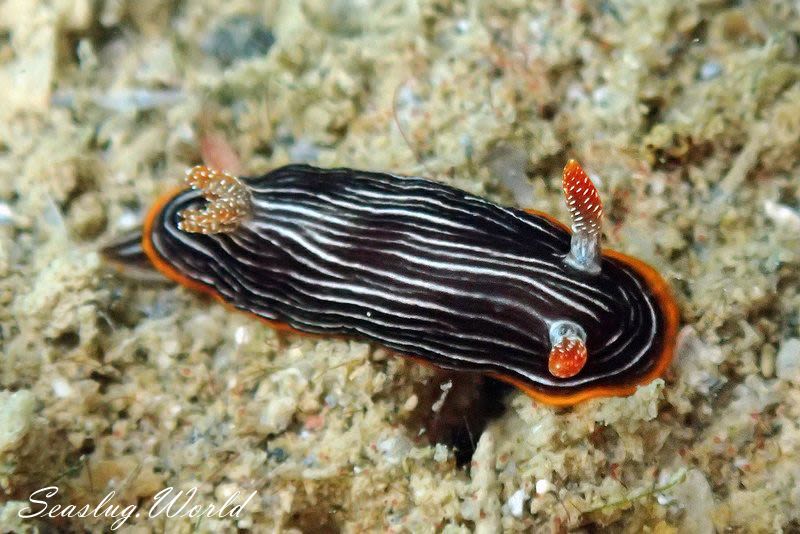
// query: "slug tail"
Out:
[229,202]
[568,354]
[567,358]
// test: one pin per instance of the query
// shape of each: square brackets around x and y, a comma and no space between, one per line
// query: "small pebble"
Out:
[16,417]
[695,496]
[277,454]
[440,453]
[543,486]
[445,387]
[239,37]
[767,361]
[516,502]
[135,99]
[61,387]
[305,151]
[395,448]
[128,220]
[664,499]
[782,215]
[787,363]
[6,215]
[241,335]
[87,215]
[410,403]
[710,70]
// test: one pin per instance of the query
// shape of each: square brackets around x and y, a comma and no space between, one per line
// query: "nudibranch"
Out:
[425,270]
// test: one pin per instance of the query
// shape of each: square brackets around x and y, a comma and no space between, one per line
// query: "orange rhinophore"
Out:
[586,210]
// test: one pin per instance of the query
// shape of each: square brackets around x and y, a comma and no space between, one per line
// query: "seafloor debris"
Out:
[687,110]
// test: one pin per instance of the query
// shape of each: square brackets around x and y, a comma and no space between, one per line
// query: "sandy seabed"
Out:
[687,113]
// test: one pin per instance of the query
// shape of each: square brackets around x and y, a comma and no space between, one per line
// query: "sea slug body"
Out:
[426,270]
